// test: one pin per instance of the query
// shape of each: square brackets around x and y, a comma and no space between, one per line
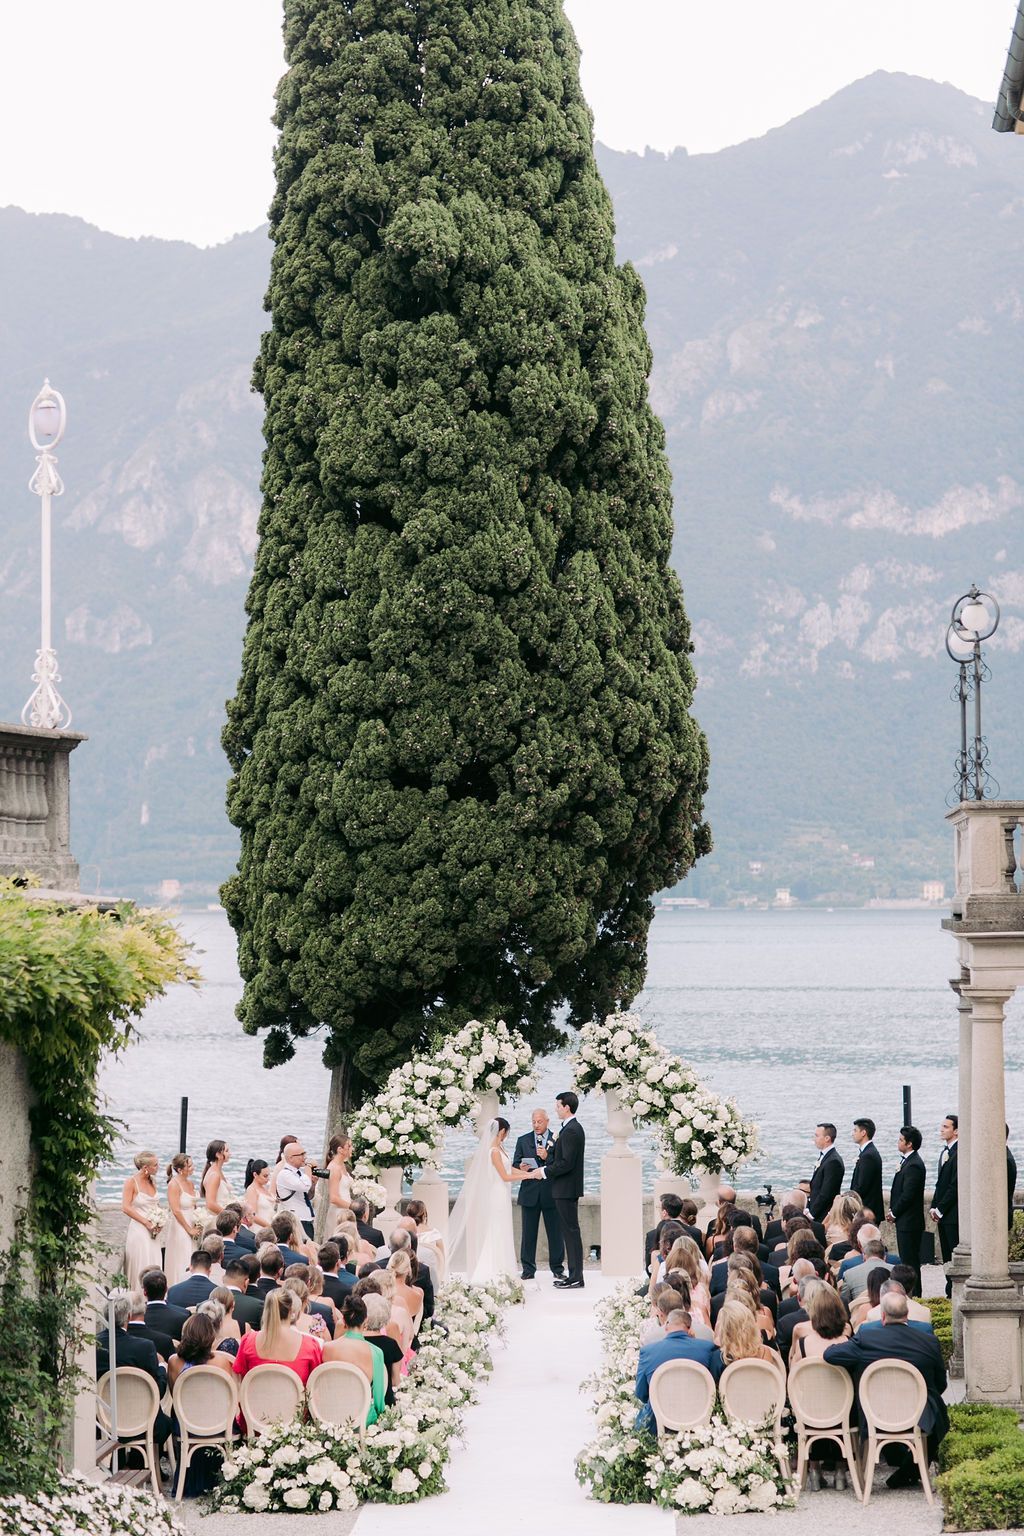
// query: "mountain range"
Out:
[836,312]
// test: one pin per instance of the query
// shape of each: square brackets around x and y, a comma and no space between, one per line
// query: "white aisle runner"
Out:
[515,1471]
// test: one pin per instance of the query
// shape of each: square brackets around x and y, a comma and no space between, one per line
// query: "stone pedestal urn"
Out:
[489,1110]
[433,1191]
[391,1179]
[708,1185]
[622,1226]
[671,1184]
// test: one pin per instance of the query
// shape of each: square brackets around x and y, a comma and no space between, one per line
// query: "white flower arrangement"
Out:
[722,1468]
[310,1467]
[369,1190]
[481,1058]
[702,1133]
[399,1128]
[101,1509]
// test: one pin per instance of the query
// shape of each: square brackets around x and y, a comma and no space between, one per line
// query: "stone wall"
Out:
[15,1146]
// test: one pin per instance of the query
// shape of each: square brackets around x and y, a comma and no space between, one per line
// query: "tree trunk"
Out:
[339,1102]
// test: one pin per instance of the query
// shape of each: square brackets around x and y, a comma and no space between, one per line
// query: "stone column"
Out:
[960,1266]
[622,1200]
[993,1312]
[433,1191]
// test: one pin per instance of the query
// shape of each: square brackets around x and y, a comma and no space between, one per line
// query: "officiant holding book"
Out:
[533,1149]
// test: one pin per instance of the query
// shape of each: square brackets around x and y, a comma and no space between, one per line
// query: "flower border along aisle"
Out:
[722,1467]
[309,1467]
[98,1509]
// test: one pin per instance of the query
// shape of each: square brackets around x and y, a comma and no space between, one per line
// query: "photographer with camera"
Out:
[294,1184]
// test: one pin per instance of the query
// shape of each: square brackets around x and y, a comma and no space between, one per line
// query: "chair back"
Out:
[821,1395]
[205,1399]
[338,1393]
[138,1400]
[892,1396]
[271,1394]
[752,1391]
[682,1394]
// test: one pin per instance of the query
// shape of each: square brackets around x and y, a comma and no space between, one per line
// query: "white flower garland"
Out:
[311,1467]
[723,1467]
[101,1509]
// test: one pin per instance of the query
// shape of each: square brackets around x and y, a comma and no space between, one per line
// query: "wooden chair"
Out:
[138,1403]
[753,1391]
[682,1395]
[339,1393]
[271,1394]
[821,1397]
[205,1400]
[892,1399]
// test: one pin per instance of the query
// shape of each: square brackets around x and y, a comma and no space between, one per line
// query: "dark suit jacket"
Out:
[162,1342]
[533,1191]
[786,1325]
[245,1239]
[190,1291]
[826,1182]
[163,1318]
[264,1285]
[720,1277]
[130,1350]
[290,1256]
[945,1197]
[906,1199]
[370,1234]
[674,1346]
[895,1341]
[338,1286]
[248,1308]
[564,1170]
[867,1180]
[236,1250]
[1011,1185]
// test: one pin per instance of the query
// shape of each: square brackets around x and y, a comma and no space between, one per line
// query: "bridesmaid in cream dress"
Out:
[258,1203]
[141,1204]
[214,1189]
[339,1186]
[181,1227]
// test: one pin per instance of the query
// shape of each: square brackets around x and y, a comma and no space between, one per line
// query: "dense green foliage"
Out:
[71,984]
[981,1464]
[462,750]
[941,1309]
[1016,1239]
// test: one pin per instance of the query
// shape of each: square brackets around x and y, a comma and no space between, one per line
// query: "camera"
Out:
[766,1201]
[320,1173]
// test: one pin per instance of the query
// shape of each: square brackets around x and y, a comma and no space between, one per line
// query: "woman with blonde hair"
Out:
[838,1224]
[308,1321]
[182,1226]
[685,1255]
[279,1341]
[407,1296]
[141,1204]
[739,1337]
[742,1283]
[228,1332]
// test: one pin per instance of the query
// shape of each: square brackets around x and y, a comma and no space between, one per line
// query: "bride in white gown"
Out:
[480,1231]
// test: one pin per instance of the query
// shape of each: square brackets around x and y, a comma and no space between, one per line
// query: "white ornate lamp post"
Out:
[46,710]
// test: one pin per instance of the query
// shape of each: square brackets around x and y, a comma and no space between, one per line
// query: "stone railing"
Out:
[35,808]
[989,862]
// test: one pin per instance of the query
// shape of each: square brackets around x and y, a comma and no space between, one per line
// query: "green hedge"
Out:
[942,1322]
[981,1464]
[1017,1238]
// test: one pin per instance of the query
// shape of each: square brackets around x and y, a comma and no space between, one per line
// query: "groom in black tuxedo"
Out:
[564,1172]
[536,1199]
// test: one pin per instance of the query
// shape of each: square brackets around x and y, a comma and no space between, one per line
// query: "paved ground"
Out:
[231,1523]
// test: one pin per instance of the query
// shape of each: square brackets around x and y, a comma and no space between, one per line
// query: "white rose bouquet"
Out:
[722,1467]
[481,1058]
[397,1129]
[99,1509]
[702,1133]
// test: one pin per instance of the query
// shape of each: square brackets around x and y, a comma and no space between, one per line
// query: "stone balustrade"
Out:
[35,805]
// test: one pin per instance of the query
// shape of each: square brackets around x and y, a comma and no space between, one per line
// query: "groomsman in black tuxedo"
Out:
[906,1199]
[536,1199]
[827,1179]
[945,1200]
[867,1170]
[1011,1180]
[564,1172]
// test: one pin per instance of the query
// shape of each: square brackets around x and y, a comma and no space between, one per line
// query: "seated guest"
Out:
[378,1315]
[739,1336]
[359,1249]
[279,1341]
[198,1347]
[862,1231]
[160,1315]
[367,1231]
[685,1255]
[743,1239]
[271,1269]
[671,1206]
[308,1321]
[895,1341]
[428,1238]
[197,1284]
[381,1284]
[140,1329]
[352,1348]
[228,1226]
[245,1237]
[855,1281]
[827,1322]
[289,1238]
[220,1306]
[134,1351]
[670,1233]
[716,1230]
[666,1299]
[838,1223]
[870,1297]
[407,1292]
[794,1203]
[337,1281]
[794,1311]
[918,1316]
[319,1303]
[315,1308]
[801,1245]
[213,1244]
[247,1310]
[743,1277]
[678,1344]
[401,1317]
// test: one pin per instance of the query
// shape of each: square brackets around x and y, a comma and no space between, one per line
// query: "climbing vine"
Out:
[73,982]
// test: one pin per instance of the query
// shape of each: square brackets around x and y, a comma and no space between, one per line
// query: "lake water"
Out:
[802,1016]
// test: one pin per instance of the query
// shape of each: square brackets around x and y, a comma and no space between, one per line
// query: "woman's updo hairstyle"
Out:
[142,1158]
[502,1124]
[254,1166]
[353,1311]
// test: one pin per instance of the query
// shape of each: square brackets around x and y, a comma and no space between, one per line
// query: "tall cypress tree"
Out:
[462,749]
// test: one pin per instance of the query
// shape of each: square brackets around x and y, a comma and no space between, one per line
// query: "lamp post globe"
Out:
[47,418]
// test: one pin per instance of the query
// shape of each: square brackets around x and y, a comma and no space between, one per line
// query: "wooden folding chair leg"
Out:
[154,1462]
[184,1456]
[870,1461]
[800,1476]
[921,1457]
[850,1457]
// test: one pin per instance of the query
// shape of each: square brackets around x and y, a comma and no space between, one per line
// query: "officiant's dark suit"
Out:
[564,1172]
[536,1200]
[867,1180]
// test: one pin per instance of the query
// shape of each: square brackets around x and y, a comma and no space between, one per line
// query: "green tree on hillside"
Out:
[462,750]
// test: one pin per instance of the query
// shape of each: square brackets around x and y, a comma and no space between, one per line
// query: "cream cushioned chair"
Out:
[682,1395]
[892,1399]
[271,1394]
[821,1397]
[339,1393]
[205,1400]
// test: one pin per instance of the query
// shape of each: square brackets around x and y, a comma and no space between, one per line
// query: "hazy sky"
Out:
[153,119]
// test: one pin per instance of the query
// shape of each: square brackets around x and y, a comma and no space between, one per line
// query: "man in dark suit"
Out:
[536,1200]
[338,1282]
[867,1170]
[244,1237]
[895,1341]
[196,1285]
[138,1328]
[1011,1181]
[678,1344]
[827,1178]
[906,1198]
[135,1351]
[945,1210]
[367,1231]
[248,1309]
[271,1272]
[564,1171]
[229,1226]
[282,1228]
[792,1310]
[160,1315]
